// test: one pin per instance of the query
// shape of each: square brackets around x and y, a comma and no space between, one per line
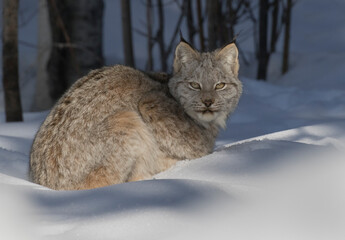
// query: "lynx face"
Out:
[206,84]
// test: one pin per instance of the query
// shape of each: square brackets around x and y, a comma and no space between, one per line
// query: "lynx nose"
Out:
[208,102]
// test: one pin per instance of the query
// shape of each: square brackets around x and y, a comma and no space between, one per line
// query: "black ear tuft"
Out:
[235,38]
[184,53]
[185,41]
[182,38]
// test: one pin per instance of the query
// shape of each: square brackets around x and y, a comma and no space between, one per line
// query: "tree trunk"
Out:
[160,36]
[190,23]
[274,30]
[13,105]
[149,66]
[232,19]
[285,65]
[222,26]
[200,26]
[212,11]
[263,56]
[77,41]
[127,32]
[43,100]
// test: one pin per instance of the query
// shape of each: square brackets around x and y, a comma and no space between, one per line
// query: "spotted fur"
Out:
[118,124]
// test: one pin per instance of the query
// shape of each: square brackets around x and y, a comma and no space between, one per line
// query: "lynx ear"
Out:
[228,56]
[184,54]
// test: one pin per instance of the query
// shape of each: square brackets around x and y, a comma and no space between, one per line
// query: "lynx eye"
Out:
[195,85]
[220,86]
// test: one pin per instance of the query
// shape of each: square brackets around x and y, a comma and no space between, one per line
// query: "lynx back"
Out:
[118,124]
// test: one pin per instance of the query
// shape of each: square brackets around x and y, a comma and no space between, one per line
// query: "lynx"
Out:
[118,124]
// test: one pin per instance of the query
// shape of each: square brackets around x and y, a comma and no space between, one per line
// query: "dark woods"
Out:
[76,28]
[211,24]
[76,38]
[10,81]
[274,15]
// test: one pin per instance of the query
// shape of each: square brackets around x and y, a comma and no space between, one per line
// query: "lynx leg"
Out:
[127,150]
[162,164]
[99,177]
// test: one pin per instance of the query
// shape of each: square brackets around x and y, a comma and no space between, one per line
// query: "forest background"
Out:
[48,44]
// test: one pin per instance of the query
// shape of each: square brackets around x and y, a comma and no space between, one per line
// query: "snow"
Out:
[277,171]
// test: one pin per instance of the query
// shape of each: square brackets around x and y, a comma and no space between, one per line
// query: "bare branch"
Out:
[61,25]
